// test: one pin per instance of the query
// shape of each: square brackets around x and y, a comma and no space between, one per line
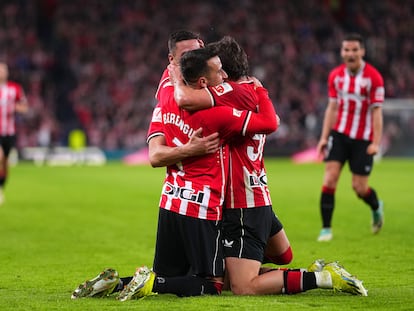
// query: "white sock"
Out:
[323,279]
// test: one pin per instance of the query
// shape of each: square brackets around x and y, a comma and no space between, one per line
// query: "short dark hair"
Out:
[180,35]
[232,56]
[353,36]
[194,64]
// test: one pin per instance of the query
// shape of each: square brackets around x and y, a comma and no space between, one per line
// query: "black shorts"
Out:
[188,246]
[341,148]
[246,231]
[7,143]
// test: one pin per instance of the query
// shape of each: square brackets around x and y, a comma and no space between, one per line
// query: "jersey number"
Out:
[254,156]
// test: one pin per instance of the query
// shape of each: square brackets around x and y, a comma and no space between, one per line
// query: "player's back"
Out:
[247,185]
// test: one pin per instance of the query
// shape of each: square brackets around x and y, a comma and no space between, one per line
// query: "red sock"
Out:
[328,190]
[292,282]
[219,287]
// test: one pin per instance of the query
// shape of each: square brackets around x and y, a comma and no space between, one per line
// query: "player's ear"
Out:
[202,81]
[170,58]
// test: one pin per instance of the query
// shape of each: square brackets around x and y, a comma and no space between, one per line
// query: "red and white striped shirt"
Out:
[196,186]
[247,185]
[356,95]
[156,127]
[10,94]
[164,82]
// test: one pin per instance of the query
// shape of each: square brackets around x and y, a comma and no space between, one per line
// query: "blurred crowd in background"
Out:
[95,65]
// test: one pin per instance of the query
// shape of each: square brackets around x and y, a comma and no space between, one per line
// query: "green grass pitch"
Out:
[63,225]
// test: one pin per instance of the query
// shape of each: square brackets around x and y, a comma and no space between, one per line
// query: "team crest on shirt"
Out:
[339,80]
[156,115]
[365,82]
[222,89]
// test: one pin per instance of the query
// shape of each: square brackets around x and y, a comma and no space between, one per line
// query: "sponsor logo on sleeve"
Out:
[237,113]
[156,115]
[222,89]
[379,93]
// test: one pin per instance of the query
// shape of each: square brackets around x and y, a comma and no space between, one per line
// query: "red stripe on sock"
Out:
[294,282]
[328,190]
[219,287]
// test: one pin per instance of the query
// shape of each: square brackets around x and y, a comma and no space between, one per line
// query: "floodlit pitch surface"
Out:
[63,225]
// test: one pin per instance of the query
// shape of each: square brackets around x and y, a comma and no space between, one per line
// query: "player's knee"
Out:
[243,283]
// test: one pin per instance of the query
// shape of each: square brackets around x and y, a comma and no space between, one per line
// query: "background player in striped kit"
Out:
[12,100]
[352,130]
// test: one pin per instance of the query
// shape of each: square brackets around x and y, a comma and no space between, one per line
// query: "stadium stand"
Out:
[95,65]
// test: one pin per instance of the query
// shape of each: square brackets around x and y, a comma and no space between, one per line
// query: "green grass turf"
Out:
[62,225]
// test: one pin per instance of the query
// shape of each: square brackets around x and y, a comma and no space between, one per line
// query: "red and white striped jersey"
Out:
[10,94]
[156,127]
[164,82]
[247,184]
[196,186]
[356,95]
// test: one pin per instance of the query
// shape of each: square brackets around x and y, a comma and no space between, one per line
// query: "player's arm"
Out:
[256,81]
[231,121]
[22,106]
[330,115]
[186,97]
[377,124]
[162,155]
[265,121]
[328,122]
[377,98]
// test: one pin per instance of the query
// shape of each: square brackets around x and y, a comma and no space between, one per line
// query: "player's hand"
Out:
[321,148]
[256,81]
[372,149]
[199,145]
[174,73]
